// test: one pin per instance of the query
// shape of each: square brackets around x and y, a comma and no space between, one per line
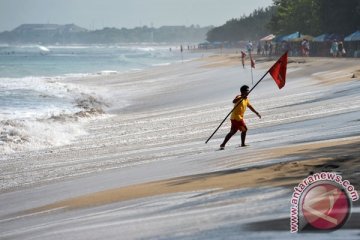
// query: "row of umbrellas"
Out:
[297,37]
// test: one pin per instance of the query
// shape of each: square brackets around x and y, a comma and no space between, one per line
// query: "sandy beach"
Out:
[142,169]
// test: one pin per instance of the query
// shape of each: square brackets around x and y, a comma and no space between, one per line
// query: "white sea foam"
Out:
[146,49]
[35,97]
[39,112]
[161,64]
[17,135]
[107,72]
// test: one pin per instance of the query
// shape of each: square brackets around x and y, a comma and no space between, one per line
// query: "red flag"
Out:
[278,70]
[252,63]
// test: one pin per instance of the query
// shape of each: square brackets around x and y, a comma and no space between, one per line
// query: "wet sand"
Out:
[342,157]
[145,161]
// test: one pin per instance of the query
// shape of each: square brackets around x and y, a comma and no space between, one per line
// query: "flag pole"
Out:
[252,77]
[181,50]
[235,107]
[252,63]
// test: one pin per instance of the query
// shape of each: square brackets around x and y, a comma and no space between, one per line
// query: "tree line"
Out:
[244,28]
[312,17]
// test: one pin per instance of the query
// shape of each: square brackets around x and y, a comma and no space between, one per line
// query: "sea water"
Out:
[33,92]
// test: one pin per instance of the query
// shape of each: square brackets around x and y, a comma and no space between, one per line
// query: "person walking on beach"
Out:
[341,49]
[249,47]
[334,48]
[237,116]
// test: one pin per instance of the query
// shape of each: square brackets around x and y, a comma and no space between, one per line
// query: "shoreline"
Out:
[121,81]
[145,170]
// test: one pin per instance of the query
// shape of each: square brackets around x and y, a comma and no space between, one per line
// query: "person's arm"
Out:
[237,98]
[254,111]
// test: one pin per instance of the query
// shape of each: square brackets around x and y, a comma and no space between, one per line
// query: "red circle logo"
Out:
[326,206]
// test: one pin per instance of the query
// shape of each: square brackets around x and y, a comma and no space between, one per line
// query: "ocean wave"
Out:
[23,135]
[161,64]
[146,49]
[107,72]
[57,130]
[27,60]
[90,107]
[11,132]
[52,115]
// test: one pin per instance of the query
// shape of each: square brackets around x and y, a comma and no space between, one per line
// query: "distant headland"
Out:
[73,34]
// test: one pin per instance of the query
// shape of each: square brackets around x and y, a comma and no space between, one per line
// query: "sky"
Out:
[97,14]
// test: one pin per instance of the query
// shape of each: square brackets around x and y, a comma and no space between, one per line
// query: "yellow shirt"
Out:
[238,113]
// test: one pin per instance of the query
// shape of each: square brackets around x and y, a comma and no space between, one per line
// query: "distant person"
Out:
[303,43]
[341,49]
[305,48]
[334,48]
[258,48]
[266,48]
[237,117]
[249,47]
[285,46]
[243,55]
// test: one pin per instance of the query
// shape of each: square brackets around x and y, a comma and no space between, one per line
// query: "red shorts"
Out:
[238,125]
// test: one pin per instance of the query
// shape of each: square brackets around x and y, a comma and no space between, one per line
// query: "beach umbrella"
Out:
[287,37]
[278,38]
[320,38]
[291,36]
[299,39]
[268,38]
[353,37]
[326,37]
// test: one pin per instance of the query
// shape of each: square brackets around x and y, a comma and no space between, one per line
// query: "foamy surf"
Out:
[40,106]
[19,135]
[39,112]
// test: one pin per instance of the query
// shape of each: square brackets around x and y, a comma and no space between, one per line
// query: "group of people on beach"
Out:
[265,49]
[337,49]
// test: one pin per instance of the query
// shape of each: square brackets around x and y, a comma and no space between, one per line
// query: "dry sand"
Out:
[348,70]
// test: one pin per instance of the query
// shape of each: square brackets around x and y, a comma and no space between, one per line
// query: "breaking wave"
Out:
[38,113]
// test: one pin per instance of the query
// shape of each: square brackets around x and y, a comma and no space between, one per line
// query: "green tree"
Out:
[339,16]
[295,16]
[316,16]
[244,28]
